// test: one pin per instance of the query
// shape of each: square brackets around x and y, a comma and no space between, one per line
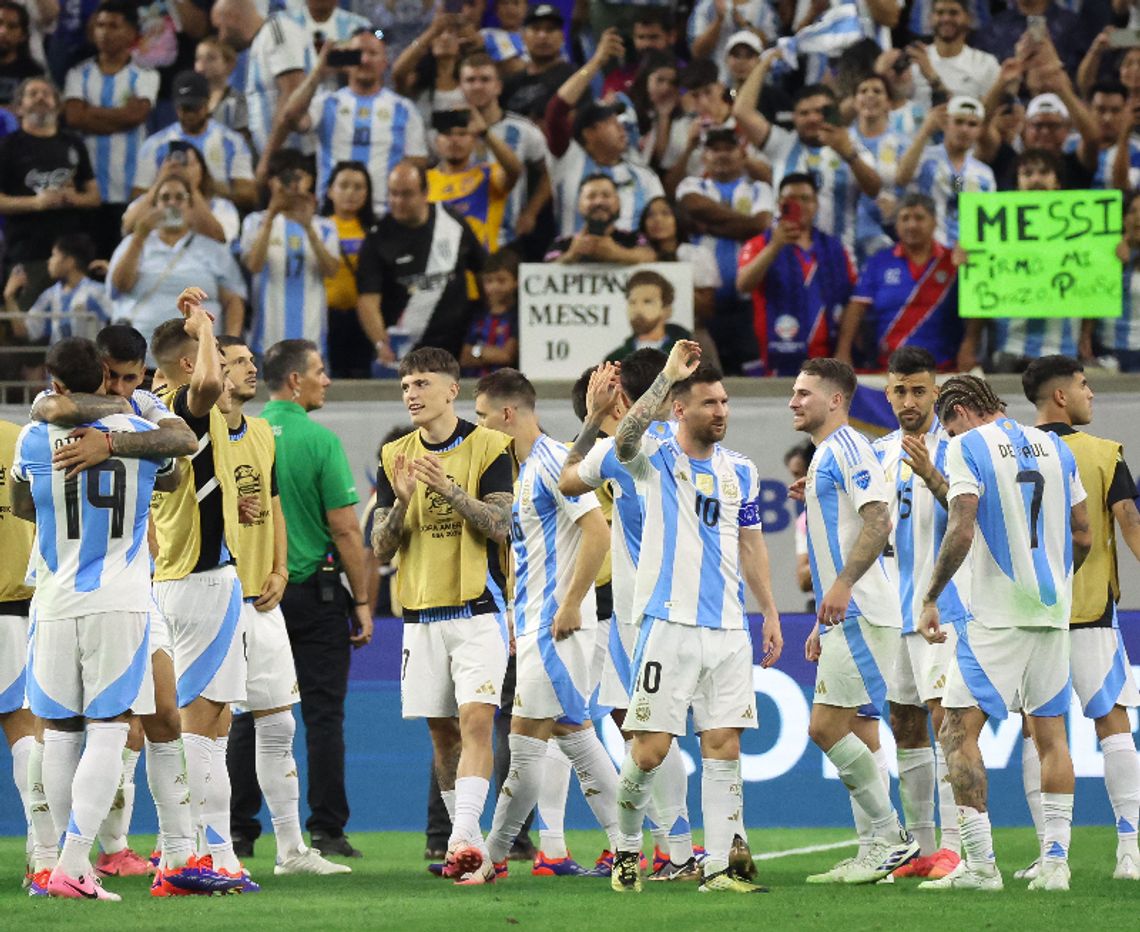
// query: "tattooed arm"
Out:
[569,482]
[1128,519]
[869,545]
[388,530]
[80,408]
[490,516]
[173,438]
[955,544]
[682,362]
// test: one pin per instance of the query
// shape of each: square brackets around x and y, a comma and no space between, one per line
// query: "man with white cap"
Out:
[950,168]
[714,27]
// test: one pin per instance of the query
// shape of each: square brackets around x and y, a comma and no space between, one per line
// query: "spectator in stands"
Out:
[215,61]
[493,340]
[907,295]
[279,57]
[711,107]
[714,22]
[16,62]
[348,204]
[81,304]
[662,122]
[46,184]
[481,86]
[666,236]
[224,151]
[600,237]
[208,213]
[504,44]
[1063,27]
[593,141]
[876,215]
[108,99]
[163,255]
[800,279]
[528,91]
[649,297]
[363,118]
[324,21]
[427,71]
[741,54]
[412,272]
[819,146]
[961,68]
[289,251]
[1119,338]
[1115,152]
[653,31]
[401,21]
[475,190]
[950,168]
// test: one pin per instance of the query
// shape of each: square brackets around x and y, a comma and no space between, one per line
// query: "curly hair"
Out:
[970,392]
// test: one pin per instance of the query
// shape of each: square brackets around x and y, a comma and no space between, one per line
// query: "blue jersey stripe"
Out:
[990,517]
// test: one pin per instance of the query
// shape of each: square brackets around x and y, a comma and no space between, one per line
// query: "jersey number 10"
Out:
[115,501]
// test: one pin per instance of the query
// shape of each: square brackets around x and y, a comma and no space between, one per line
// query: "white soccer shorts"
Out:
[682,666]
[854,662]
[97,666]
[553,679]
[160,632]
[1102,675]
[447,664]
[13,660]
[271,680]
[919,672]
[998,669]
[204,614]
[616,646]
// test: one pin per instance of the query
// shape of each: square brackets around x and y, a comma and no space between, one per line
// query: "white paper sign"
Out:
[572,316]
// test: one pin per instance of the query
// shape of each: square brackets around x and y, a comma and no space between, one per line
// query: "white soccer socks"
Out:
[199,761]
[277,775]
[216,811]
[552,793]
[1122,780]
[113,832]
[977,838]
[470,798]
[518,794]
[916,790]
[45,838]
[1057,810]
[634,788]
[860,773]
[1031,782]
[596,775]
[167,780]
[93,790]
[62,750]
[669,806]
[722,805]
[21,752]
[950,838]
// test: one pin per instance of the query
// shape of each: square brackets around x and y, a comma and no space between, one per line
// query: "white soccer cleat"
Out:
[835,875]
[1126,868]
[986,880]
[884,856]
[1028,873]
[1053,875]
[309,861]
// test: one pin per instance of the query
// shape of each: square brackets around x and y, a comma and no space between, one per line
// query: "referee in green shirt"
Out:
[324,621]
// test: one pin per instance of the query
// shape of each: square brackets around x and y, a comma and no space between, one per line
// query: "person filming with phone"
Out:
[599,239]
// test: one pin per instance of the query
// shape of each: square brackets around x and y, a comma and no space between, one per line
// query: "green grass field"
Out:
[390,889]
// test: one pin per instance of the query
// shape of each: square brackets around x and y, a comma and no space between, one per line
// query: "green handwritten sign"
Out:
[1040,254]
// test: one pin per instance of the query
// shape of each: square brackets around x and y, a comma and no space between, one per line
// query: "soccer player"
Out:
[913,459]
[701,516]
[1017,507]
[559,544]
[1102,677]
[591,464]
[196,584]
[849,523]
[88,661]
[444,496]
[261,551]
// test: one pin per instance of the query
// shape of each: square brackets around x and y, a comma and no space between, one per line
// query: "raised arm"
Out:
[683,360]
[78,408]
[602,394]
[751,121]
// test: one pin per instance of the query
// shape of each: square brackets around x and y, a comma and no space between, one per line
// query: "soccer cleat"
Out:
[123,863]
[943,861]
[155,858]
[245,883]
[309,861]
[86,887]
[660,859]
[462,858]
[726,881]
[690,870]
[882,857]
[836,874]
[196,876]
[626,875]
[740,860]
[963,877]
[603,866]
[434,854]
[919,867]
[1028,873]
[488,872]
[338,846]
[1053,876]
[556,867]
[437,869]
[1126,868]
[38,882]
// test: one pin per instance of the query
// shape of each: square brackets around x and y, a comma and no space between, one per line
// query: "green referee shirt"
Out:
[313,477]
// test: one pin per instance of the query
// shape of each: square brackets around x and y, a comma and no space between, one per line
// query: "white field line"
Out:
[807,849]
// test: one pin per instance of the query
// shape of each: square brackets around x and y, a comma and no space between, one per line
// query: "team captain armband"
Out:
[749,515]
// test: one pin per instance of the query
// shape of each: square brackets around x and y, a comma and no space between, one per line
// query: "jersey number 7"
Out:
[1035,479]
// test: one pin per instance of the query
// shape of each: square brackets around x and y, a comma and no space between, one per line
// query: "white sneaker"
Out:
[835,875]
[1126,868]
[309,861]
[987,880]
[1053,875]
[1028,873]
[884,856]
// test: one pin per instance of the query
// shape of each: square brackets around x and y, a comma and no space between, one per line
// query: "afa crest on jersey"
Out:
[862,478]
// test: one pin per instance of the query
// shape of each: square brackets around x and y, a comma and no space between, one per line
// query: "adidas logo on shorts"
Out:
[821,688]
[487,689]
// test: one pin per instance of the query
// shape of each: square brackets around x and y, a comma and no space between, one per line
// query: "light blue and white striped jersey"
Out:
[337,28]
[918,526]
[526,141]
[91,554]
[86,307]
[906,120]
[379,131]
[289,297]
[225,152]
[602,465]
[1123,332]
[636,184]
[693,512]
[757,13]
[887,150]
[114,156]
[744,196]
[502,45]
[937,178]
[845,474]
[280,46]
[1021,561]
[1032,337]
[838,190]
[545,538]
